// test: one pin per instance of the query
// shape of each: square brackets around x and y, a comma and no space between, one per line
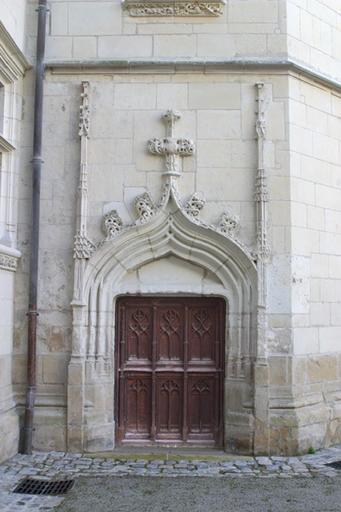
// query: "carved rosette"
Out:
[195,205]
[173,8]
[83,247]
[112,224]
[144,207]
[229,224]
[8,262]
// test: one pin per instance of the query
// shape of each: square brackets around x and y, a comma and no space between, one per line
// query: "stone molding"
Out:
[13,63]
[9,258]
[5,145]
[177,8]
[273,65]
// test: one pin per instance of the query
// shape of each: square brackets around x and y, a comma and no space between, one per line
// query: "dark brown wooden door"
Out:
[170,370]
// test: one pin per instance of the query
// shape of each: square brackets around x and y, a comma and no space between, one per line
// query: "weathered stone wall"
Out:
[315,142]
[13,16]
[98,30]
[12,69]
[314,36]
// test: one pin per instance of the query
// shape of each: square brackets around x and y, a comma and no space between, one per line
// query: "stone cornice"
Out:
[9,258]
[279,65]
[13,63]
[171,8]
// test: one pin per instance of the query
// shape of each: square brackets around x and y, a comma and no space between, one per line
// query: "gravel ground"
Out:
[206,481]
[247,494]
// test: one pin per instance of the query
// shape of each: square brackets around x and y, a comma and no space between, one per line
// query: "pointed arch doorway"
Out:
[170,370]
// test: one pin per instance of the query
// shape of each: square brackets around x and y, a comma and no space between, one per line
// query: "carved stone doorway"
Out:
[170,370]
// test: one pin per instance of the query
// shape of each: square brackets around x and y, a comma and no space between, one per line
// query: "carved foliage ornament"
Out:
[112,224]
[195,205]
[229,224]
[144,207]
[173,8]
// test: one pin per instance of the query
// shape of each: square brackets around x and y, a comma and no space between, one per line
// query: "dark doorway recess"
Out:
[170,370]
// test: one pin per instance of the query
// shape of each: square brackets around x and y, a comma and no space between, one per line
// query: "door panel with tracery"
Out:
[170,370]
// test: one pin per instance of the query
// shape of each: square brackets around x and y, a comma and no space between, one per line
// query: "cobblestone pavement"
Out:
[59,465]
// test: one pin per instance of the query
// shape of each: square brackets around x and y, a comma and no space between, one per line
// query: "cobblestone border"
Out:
[59,465]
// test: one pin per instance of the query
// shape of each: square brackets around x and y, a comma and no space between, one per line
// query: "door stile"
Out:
[121,379]
[154,354]
[185,378]
[221,383]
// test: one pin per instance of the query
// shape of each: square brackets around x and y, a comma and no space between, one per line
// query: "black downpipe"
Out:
[37,161]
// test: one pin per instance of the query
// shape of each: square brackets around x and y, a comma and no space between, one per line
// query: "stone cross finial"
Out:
[171,147]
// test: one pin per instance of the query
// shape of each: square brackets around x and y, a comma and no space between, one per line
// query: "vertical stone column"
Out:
[261,370]
[83,248]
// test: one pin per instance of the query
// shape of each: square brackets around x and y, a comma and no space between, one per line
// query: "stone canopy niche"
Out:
[168,238]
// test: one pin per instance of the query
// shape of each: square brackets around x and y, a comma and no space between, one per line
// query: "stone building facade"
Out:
[192,152]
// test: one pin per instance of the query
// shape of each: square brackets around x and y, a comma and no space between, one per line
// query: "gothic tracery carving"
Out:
[201,387]
[138,386]
[170,387]
[139,323]
[202,322]
[170,322]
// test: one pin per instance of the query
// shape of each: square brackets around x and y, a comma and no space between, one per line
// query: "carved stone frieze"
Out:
[195,205]
[112,224]
[229,224]
[8,262]
[83,247]
[172,8]
[145,207]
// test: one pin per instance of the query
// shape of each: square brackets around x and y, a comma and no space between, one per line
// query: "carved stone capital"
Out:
[146,8]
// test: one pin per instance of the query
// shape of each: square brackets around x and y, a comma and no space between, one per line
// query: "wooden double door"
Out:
[170,370]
